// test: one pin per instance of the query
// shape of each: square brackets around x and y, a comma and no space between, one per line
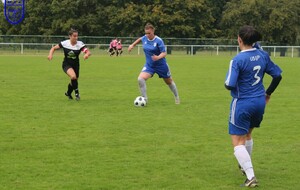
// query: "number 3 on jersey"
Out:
[257,69]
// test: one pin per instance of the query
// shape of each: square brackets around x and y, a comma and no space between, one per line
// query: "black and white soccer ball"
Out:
[140,101]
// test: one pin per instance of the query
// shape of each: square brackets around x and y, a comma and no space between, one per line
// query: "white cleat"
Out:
[177,100]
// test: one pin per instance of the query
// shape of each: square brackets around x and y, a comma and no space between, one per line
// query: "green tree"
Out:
[37,18]
[176,18]
[278,20]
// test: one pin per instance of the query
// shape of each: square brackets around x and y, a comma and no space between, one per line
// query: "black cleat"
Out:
[69,96]
[251,183]
[77,96]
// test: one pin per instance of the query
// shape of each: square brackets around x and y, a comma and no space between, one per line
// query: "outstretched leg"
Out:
[74,82]
[69,92]
[143,87]
[173,88]
[142,84]
[244,159]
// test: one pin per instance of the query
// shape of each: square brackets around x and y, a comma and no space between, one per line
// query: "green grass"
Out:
[104,142]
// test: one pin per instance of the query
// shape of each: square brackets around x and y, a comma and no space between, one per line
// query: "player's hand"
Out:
[155,57]
[86,56]
[49,57]
[130,47]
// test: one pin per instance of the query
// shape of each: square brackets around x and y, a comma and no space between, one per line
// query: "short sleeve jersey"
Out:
[114,43]
[119,45]
[72,52]
[246,73]
[153,47]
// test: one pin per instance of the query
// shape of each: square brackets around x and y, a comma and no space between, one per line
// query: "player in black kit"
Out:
[70,65]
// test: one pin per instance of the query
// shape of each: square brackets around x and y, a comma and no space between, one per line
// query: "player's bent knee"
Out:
[140,79]
[73,78]
[168,81]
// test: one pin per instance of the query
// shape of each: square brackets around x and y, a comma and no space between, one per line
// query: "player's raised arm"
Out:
[86,52]
[50,56]
[134,44]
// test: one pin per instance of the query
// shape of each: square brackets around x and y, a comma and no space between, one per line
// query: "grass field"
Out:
[103,142]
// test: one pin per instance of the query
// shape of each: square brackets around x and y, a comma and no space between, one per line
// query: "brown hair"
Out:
[71,31]
[249,35]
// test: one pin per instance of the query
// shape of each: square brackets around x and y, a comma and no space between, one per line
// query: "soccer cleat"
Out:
[77,96]
[251,183]
[242,170]
[69,96]
[177,100]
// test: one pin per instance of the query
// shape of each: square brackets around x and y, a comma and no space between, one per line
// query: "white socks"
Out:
[244,160]
[249,146]
[142,85]
[173,88]
[143,88]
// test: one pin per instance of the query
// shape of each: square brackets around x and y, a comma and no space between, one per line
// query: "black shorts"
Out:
[75,67]
[112,49]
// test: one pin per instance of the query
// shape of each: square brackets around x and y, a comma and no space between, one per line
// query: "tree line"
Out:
[278,20]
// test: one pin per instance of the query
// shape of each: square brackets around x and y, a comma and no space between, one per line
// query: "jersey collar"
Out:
[152,39]
[252,49]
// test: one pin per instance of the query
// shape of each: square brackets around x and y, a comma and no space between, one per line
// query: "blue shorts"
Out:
[246,113]
[163,70]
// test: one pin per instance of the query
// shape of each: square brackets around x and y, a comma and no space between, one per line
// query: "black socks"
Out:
[73,86]
[70,89]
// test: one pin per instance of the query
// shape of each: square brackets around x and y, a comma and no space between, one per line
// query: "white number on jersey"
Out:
[257,69]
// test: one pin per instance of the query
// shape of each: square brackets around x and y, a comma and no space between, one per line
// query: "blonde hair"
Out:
[149,26]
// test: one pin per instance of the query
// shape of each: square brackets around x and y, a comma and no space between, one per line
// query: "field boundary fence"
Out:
[189,50]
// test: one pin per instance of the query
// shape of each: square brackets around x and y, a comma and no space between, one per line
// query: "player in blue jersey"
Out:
[70,65]
[245,81]
[155,53]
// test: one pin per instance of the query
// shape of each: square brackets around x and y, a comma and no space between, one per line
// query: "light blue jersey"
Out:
[246,72]
[153,47]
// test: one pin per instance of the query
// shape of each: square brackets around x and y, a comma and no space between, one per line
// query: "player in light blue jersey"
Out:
[245,81]
[155,53]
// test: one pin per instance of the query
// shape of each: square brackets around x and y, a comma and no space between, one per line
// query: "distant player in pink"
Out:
[113,46]
[119,48]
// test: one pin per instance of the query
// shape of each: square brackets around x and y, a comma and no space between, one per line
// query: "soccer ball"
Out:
[140,101]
